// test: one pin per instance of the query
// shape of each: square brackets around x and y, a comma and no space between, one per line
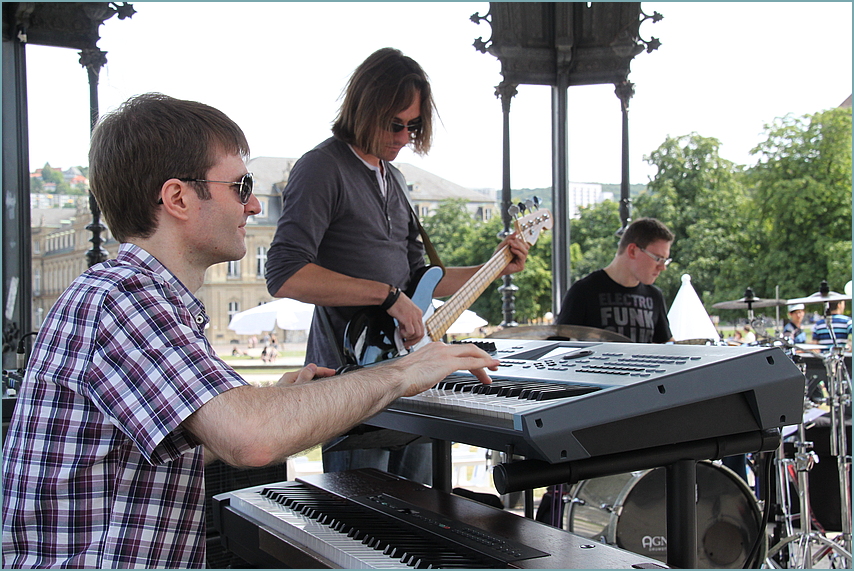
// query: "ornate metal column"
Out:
[59,24]
[562,44]
[625,90]
[93,59]
[506,91]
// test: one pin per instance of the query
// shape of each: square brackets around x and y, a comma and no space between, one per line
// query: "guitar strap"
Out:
[428,245]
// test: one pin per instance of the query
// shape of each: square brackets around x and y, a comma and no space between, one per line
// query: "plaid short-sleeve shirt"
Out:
[97,470]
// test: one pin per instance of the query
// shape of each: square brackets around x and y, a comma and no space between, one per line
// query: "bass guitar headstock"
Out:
[531,224]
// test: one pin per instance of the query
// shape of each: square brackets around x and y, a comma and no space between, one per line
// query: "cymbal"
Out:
[750,303]
[567,332]
[817,297]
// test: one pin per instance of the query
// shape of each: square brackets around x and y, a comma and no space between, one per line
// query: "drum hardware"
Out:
[806,546]
[628,510]
[680,461]
[749,302]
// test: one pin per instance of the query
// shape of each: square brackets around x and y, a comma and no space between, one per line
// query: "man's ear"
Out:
[173,195]
[632,250]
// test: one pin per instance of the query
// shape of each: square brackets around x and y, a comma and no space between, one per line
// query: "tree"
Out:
[701,198]
[50,174]
[802,198]
[593,240]
[462,241]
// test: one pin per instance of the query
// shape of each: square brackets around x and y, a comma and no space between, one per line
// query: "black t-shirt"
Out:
[638,313]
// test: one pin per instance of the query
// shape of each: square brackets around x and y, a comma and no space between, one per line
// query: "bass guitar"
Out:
[372,335]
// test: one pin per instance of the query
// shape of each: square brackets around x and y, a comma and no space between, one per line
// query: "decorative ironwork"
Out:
[653,43]
[562,44]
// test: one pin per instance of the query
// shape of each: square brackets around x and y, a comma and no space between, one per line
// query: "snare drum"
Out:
[628,510]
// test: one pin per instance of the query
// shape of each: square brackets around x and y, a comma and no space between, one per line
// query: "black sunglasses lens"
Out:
[247,183]
[414,128]
[396,127]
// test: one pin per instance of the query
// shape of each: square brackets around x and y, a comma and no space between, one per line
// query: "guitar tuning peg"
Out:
[536,200]
[530,205]
[513,211]
[522,207]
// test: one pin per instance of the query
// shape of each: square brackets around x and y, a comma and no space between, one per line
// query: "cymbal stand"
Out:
[802,557]
[839,382]
[805,547]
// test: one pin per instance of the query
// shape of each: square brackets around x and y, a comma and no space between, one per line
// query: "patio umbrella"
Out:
[285,313]
[687,316]
[465,323]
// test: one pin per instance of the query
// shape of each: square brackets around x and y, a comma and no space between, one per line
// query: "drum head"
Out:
[634,518]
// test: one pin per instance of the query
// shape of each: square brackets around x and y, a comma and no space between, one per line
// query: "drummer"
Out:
[792,329]
[621,297]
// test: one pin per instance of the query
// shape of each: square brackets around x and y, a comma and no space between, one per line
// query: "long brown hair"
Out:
[382,86]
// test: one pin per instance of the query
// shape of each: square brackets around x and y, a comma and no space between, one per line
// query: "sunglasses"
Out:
[413,126]
[244,185]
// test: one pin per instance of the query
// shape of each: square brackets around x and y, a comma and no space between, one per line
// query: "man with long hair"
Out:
[347,237]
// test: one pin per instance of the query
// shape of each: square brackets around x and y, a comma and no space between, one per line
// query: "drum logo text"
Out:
[654,542]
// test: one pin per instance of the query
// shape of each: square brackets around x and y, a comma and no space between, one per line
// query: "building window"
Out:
[260,261]
[233,307]
[425,211]
[233,270]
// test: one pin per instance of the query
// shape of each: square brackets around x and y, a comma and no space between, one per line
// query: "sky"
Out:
[724,70]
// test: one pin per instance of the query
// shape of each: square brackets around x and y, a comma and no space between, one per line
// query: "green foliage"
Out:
[701,198]
[785,222]
[49,174]
[594,237]
[802,189]
[460,240]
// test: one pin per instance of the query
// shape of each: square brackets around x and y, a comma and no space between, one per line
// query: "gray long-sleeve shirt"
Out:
[334,215]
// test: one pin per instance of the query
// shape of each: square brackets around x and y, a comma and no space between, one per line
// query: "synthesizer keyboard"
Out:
[567,400]
[370,519]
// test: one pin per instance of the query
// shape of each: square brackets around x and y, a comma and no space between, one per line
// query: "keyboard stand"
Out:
[680,461]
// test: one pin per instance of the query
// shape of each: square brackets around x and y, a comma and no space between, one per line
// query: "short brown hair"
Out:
[643,232]
[382,86]
[149,139]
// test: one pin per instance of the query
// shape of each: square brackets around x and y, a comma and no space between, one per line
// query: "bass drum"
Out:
[628,510]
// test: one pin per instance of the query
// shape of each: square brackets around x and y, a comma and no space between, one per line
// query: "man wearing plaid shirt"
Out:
[124,399]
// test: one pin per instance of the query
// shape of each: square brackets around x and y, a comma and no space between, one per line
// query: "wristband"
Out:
[393,294]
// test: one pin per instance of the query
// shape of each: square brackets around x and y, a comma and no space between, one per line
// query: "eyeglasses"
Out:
[413,126]
[656,258]
[244,185]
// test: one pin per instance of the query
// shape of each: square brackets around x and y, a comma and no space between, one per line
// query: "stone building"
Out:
[60,241]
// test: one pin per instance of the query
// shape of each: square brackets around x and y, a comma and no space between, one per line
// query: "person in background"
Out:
[840,324]
[621,297]
[792,329]
[749,336]
[347,237]
[124,399]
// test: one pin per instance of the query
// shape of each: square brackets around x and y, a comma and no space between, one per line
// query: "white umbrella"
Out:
[687,316]
[465,323]
[286,313]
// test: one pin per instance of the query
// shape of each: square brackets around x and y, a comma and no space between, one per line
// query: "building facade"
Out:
[60,241]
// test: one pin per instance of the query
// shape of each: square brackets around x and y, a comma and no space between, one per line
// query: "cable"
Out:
[753,560]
